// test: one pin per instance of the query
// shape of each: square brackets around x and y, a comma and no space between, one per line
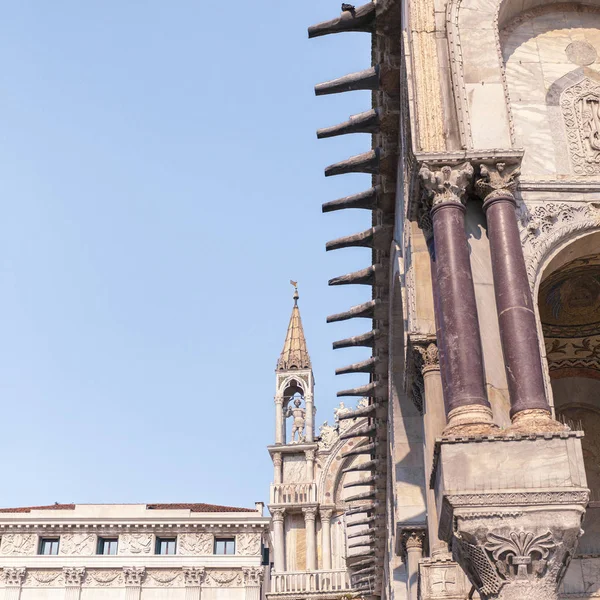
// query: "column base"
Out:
[534,420]
[473,419]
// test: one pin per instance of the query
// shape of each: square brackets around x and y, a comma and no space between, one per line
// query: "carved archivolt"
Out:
[545,226]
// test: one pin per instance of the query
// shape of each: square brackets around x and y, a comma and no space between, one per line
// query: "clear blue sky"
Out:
[161,182]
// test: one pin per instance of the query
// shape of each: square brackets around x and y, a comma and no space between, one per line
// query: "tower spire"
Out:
[295,353]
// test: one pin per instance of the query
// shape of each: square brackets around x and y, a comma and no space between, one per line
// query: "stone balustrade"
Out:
[293,493]
[295,582]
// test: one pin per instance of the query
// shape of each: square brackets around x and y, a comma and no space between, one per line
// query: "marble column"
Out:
[193,578]
[13,578]
[73,577]
[253,577]
[133,577]
[277,517]
[516,315]
[277,466]
[434,421]
[326,514]
[279,421]
[310,418]
[310,514]
[412,541]
[445,189]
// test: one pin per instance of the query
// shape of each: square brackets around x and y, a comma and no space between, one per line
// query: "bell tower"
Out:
[293,502]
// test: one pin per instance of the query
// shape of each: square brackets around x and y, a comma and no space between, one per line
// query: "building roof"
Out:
[192,507]
[295,353]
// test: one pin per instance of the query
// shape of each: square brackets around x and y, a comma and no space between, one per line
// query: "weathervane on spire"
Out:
[296,295]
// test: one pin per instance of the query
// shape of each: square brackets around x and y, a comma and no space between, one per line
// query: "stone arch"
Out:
[478,73]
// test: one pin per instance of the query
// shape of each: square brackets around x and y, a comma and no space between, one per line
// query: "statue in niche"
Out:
[299,421]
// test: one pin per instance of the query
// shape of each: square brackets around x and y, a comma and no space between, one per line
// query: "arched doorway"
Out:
[569,308]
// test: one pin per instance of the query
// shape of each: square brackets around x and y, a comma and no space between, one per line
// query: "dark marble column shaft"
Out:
[463,360]
[516,315]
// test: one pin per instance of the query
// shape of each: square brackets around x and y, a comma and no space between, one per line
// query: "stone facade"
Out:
[485,293]
[77,569]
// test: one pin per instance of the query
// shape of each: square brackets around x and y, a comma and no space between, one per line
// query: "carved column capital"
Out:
[497,180]
[310,513]
[445,184]
[326,514]
[73,576]
[194,576]
[134,575]
[427,356]
[413,538]
[279,400]
[277,460]
[252,575]
[310,455]
[14,576]
[277,514]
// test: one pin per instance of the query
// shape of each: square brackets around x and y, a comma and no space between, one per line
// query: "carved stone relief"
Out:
[18,544]
[104,577]
[252,575]
[248,544]
[134,575]
[543,226]
[224,578]
[135,543]
[163,577]
[194,576]
[44,578]
[73,576]
[82,544]
[195,544]
[580,105]
[294,469]
[14,576]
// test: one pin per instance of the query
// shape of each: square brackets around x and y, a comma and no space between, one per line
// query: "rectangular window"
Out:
[48,546]
[165,546]
[108,546]
[224,545]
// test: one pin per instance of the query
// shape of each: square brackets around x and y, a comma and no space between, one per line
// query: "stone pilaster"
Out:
[73,577]
[253,577]
[13,578]
[133,576]
[310,515]
[444,193]
[516,315]
[434,421]
[515,536]
[277,518]
[310,465]
[193,578]
[310,418]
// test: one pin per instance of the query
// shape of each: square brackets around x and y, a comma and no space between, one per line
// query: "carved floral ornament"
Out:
[14,576]
[194,576]
[73,576]
[446,184]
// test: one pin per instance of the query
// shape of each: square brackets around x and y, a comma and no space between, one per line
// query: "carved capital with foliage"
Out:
[252,575]
[427,357]
[194,576]
[134,575]
[14,576]
[497,180]
[447,184]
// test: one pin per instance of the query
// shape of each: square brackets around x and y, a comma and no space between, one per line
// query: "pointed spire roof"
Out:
[294,354]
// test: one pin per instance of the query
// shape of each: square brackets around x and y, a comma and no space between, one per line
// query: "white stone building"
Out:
[132,552]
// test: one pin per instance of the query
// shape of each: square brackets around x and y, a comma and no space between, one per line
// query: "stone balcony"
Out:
[293,493]
[317,583]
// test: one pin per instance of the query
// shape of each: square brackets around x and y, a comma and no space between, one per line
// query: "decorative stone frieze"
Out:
[195,544]
[502,537]
[248,544]
[135,543]
[21,544]
[104,577]
[81,544]
[194,576]
[224,578]
[163,577]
